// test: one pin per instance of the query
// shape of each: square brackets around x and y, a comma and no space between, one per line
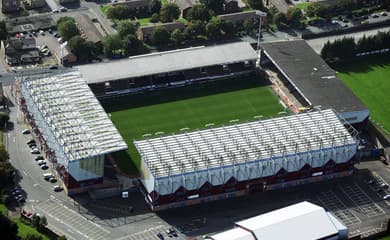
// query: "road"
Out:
[318,43]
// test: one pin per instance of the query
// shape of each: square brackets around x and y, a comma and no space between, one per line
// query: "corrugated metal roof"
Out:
[75,117]
[243,143]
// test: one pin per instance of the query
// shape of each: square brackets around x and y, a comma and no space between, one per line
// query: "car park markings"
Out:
[73,220]
[363,202]
[334,204]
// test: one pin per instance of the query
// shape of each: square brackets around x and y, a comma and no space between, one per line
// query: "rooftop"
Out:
[146,30]
[88,28]
[292,223]
[243,143]
[170,61]
[74,115]
[311,76]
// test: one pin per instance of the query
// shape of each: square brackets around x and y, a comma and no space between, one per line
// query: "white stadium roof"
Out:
[234,234]
[303,221]
[243,143]
[170,61]
[76,118]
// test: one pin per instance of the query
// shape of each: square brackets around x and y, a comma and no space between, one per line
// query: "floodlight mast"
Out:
[261,15]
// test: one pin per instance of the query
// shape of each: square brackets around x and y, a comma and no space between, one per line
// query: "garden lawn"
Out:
[144,21]
[369,79]
[189,107]
[25,229]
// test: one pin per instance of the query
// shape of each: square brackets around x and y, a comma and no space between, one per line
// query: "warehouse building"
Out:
[217,163]
[312,81]
[169,69]
[303,221]
[74,132]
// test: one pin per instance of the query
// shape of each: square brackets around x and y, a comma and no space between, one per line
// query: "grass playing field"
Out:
[369,79]
[189,107]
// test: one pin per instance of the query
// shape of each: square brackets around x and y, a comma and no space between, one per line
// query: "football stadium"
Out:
[199,124]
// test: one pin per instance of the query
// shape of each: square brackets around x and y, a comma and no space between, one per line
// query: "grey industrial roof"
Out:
[311,76]
[170,61]
[242,143]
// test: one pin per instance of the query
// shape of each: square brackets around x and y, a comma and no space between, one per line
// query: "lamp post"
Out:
[261,15]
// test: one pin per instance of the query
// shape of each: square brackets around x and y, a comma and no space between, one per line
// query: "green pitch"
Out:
[190,107]
[369,79]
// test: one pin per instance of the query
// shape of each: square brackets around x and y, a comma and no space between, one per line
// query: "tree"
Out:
[4,117]
[4,156]
[132,45]
[65,19]
[155,18]
[160,36]
[118,12]
[8,229]
[6,170]
[228,28]
[84,50]
[3,30]
[255,4]
[194,29]
[198,12]
[155,6]
[126,27]
[169,12]
[248,25]
[280,20]
[213,30]
[112,45]
[177,36]
[317,9]
[215,5]
[348,4]
[43,221]
[30,236]
[68,29]
[61,238]
[294,16]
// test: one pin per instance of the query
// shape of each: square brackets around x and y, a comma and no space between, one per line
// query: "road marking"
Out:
[35,184]
[14,139]
[24,172]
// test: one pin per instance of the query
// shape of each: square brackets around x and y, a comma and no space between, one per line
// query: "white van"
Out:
[47,176]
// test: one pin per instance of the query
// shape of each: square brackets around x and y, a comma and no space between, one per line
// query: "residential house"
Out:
[238,18]
[184,6]
[8,6]
[144,33]
[21,50]
[36,3]
[88,29]
[66,54]
[137,7]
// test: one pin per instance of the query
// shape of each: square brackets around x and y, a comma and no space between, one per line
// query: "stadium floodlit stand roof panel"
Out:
[311,76]
[170,61]
[76,118]
[243,143]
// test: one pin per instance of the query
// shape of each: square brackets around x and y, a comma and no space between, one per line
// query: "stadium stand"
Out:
[169,69]
[312,81]
[75,133]
[217,163]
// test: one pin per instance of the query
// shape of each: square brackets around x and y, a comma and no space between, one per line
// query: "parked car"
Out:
[41,162]
[42,32]
[33,145]
[55,11]
[384,14]
[63,9]
[39,158]
[26,131]
[30,141]
[375,15]
[384,185]
[35,151]
[52,180]
[56,35]
[44,167]
[386,197]
[53,67]
[160,236]
[57,188]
